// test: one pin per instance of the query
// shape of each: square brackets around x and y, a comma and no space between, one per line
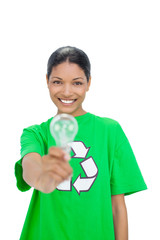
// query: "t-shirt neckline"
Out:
[81,117]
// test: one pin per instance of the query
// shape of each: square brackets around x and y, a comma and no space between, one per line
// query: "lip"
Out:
[67,104]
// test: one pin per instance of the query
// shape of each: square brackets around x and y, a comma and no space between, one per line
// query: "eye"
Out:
[78,83]
[56,82]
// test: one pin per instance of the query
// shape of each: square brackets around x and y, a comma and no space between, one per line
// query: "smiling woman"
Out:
[101,171]
[69,90]
[68,78]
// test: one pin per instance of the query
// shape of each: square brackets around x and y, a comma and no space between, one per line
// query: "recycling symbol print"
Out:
[81,184]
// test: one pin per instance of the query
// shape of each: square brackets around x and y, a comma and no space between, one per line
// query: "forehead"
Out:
[68,69]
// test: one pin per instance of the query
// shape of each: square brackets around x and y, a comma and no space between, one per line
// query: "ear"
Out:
[89,83]
[47,79]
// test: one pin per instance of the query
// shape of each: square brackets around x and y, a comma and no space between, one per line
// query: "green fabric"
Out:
[103,165]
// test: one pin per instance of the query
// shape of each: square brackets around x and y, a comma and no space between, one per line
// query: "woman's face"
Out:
[67,86]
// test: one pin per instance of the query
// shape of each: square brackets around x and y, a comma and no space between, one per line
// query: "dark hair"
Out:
[71,54]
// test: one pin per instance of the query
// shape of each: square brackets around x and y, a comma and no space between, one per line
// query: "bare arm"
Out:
[120,217]
[31,168]
[47,172]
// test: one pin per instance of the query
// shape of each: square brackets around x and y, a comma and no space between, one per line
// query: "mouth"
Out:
[67,102]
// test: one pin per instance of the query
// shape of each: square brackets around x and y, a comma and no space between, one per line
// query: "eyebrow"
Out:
[72,79]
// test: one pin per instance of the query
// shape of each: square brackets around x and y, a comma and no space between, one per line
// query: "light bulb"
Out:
[64,128]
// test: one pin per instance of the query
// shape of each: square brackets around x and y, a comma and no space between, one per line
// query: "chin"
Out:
[68,111]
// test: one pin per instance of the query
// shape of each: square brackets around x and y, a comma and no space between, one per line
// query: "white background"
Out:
[122,40]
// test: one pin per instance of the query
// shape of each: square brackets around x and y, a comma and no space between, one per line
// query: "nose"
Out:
[67,90]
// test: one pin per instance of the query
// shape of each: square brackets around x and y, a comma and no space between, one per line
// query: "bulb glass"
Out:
[64,128]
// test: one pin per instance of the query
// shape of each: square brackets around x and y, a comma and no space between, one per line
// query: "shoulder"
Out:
[108,122]
[109,126]
[41,126]
[41,129]
[113,129]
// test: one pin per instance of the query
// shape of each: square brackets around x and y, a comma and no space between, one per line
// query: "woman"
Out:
[101,170]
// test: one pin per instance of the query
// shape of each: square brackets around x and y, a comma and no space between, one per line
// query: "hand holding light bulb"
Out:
[64,128]
[49,171]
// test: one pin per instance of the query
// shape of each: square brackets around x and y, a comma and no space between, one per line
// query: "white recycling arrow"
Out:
[83,184]
[91,171]
[65,185]
[79,149]
[89,167]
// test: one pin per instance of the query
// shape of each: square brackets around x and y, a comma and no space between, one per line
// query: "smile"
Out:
[67,101]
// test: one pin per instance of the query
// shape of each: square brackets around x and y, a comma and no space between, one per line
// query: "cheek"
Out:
[82,90]
[53,90]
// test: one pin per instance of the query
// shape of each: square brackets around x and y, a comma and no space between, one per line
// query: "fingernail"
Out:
[70,176]
[67,157]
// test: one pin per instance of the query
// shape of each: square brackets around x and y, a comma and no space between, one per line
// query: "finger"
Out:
[62,170]
[51,164]
[59,153]
[66,167]
[49,182]
[56,177]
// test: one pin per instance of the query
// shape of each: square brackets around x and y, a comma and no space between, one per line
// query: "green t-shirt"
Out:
[103,165]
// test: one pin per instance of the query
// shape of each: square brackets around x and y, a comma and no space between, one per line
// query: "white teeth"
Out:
[66,101]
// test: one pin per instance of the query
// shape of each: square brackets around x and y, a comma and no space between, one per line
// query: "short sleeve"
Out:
[126,177]
[31,141]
